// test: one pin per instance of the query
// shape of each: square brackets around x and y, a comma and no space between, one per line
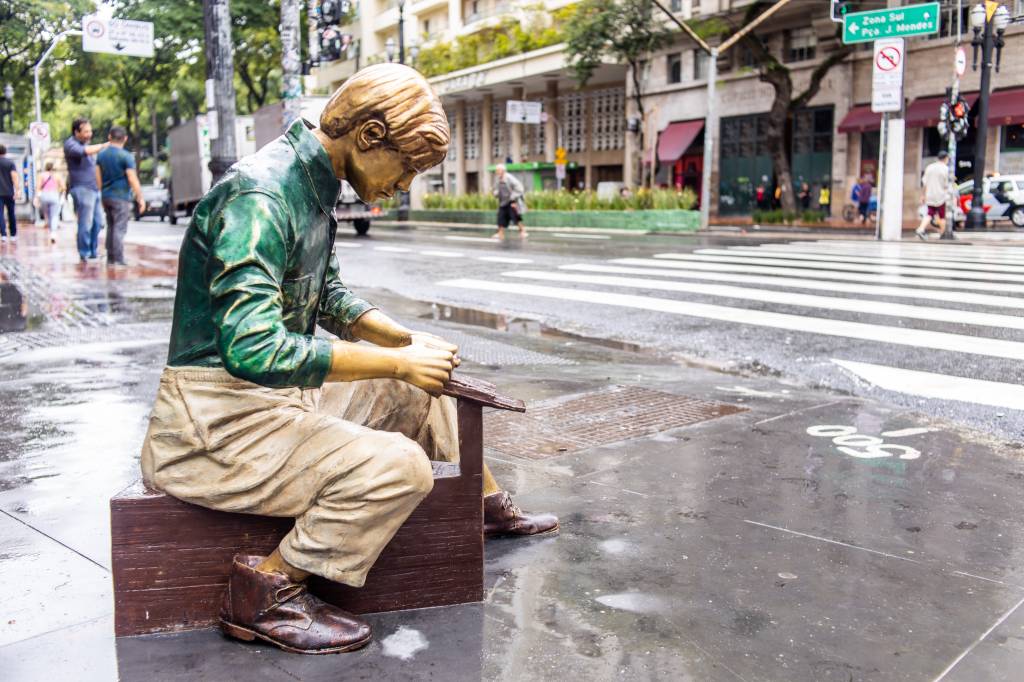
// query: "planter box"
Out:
[663,221]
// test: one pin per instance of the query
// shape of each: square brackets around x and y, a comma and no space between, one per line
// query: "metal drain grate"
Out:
[13,343]
[556,427]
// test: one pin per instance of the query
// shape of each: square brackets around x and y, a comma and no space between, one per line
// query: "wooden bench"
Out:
[171,559]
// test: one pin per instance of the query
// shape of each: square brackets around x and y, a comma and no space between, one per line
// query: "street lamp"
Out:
[7,111]
[414,52]
[389,49]
[988,34]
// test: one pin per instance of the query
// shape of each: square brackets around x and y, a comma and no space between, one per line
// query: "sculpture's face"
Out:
[379,172]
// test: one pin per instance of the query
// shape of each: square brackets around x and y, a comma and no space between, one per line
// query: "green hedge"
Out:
[641,200]
[647,221]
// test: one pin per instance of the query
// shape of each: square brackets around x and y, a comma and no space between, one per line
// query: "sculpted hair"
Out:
[400,98]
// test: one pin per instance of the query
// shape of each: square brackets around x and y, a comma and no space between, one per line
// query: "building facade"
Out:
[834,139]
[831,141]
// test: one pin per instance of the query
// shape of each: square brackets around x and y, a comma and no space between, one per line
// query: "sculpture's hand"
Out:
[425,366]
[434,341]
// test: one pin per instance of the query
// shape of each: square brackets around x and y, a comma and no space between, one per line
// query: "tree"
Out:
[785,103]
[625,31]
[27,27]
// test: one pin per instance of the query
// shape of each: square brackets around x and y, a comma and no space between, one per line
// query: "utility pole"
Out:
[220,86]
[954,94]
[291,62]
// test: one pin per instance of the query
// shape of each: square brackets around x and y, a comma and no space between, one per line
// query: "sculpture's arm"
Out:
[339,307]
[249,251]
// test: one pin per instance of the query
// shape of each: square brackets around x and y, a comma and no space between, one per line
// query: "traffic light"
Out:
[953,118]
[839,8]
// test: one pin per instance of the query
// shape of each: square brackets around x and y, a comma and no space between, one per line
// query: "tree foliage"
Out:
[621,31]
[786,99]
[535,30]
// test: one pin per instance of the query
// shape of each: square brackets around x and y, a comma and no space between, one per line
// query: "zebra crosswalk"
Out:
[963,302]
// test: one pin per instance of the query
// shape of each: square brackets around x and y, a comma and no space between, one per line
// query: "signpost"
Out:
[897,22]
[117,36]
[560,163]
[39,136]
[523,112]
[887,76]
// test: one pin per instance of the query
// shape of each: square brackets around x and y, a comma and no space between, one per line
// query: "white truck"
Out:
[268,123]
[190,158]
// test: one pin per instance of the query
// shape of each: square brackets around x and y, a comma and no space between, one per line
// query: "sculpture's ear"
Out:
[370,134]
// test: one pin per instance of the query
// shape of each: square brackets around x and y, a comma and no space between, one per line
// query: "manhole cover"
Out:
[556,427]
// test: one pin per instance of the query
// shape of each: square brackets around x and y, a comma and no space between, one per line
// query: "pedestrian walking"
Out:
[118,181]
[805,196]
[9,182]
[862,195]
[936,191]
[511,204]
[85,193]
[824,197]
[50,190]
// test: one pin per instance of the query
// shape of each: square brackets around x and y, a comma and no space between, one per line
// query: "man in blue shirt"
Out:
[85,193]
[117,180]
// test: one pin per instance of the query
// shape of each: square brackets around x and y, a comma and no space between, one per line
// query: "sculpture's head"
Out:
[383,127]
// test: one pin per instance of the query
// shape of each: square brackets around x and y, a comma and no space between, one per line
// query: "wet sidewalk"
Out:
[716,525]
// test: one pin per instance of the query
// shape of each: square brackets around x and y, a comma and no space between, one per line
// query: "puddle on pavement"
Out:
[519,325]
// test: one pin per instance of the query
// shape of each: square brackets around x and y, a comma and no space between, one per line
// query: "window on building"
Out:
[700,65]
[533,141]
[948,21]
[812,131]
[676,5]
[573,108]
[674,68]
[453,147]
[801,44]
[745,58]
[499,132]
[1013,138]
[608,119]
[471,133]
[426,26]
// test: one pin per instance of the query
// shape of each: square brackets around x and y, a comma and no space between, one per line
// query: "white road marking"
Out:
[978,641]
[831,541]
[443,254]
[392,249]
[933,282]
[917,338]
[485,240]
[1009,254]
[347,245]
[832,265]
[814,285]
[903,433]
[566,235]
[504,259]
[938,386]
[881,260]
[852,305]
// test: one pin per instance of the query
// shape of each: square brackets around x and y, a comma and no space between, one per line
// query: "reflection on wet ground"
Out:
[813,536]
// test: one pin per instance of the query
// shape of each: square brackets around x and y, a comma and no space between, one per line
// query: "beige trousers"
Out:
[349,462]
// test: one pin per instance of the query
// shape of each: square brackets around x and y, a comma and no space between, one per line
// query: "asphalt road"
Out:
[937,327]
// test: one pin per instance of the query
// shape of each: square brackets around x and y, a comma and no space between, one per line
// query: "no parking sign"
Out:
[39,136]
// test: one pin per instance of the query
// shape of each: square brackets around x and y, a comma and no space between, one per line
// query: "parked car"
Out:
[352,209]
[1003,199]
[158,202]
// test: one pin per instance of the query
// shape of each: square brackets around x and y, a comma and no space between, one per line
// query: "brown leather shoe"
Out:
[503,517]
[271,607]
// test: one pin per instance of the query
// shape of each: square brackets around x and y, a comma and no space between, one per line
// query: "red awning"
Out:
[1006,107]
[923,112]
[674,140]
[860,119]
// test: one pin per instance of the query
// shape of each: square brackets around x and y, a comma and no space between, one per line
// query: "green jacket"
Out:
[257,269]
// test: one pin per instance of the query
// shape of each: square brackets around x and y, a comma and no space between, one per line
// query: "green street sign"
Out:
[898,22]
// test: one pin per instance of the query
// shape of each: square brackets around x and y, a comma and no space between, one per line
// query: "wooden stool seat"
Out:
[171,559]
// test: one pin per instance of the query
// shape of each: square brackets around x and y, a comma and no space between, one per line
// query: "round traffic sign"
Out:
[888,58]
[960,62]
